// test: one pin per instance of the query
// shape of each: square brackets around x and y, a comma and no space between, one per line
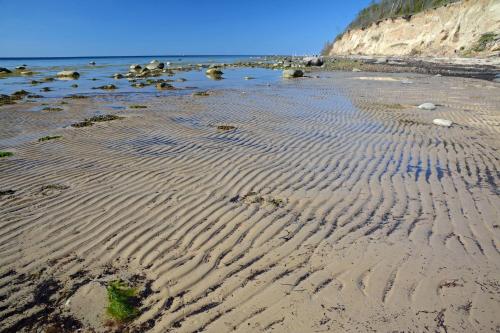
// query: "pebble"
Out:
[427,106]
[442,122]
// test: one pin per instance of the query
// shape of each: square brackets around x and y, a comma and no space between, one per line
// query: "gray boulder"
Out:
[313,61]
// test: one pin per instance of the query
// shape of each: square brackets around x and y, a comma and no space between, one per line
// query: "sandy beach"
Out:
[333,205]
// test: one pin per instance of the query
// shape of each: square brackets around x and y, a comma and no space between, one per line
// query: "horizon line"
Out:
[139,56]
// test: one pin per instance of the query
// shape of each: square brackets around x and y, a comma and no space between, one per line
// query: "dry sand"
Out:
[334,206]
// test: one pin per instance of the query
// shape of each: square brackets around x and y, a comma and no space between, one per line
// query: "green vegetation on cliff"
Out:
[383,9]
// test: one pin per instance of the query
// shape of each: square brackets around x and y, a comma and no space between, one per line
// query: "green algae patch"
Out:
[122,301]
[6,154]
[48,137]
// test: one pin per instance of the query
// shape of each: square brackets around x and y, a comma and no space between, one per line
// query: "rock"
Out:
[249,78]
[138,85]
[106,87]
[427,106]
[356,70]
[313,61]
[118,76]
[164,85]
[92,63]
[135,67]
[381,61]
[291,73]
[74,86]
[214,72]
[4,70]
[442,122]
[154,66]
[21,67]
[69,74]
[27,73]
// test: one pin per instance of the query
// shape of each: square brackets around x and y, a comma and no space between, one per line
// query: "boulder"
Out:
[291,73]
[313,61]
[4,70]
[442,122]
[427,106]
[68,74]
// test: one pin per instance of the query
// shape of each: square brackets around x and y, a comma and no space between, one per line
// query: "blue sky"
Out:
[38,28]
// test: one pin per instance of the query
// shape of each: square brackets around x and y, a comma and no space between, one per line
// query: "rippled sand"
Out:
[334,206]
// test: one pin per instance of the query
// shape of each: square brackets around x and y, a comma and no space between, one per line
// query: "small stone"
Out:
[427,106]
[442,122]
[118,76]
[92,63]
[356,70]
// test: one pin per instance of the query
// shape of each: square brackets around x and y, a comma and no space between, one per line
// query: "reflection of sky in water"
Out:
[101,74]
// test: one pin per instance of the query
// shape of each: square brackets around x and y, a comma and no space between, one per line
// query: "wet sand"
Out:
[334,206]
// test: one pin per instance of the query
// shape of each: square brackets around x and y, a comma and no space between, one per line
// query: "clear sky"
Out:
[38,28]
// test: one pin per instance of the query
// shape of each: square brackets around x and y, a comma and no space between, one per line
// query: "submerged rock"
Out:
[442,122]
[69,74]
[118,76]
[291,73]
[106,87]
[427,106]
[92,63]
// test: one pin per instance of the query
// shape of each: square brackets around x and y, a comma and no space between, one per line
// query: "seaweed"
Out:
[122,301]
[6,154]
[48,137]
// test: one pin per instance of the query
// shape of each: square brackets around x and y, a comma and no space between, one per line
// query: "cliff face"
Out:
[469,27]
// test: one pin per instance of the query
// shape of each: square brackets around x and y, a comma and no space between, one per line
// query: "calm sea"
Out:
[101,74]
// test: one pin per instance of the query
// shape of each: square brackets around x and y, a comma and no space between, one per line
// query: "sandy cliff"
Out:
[469,27]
